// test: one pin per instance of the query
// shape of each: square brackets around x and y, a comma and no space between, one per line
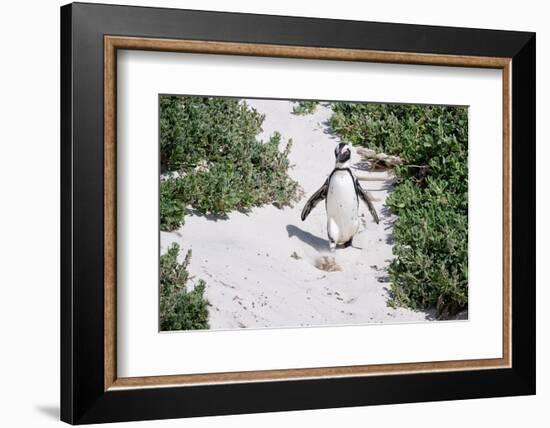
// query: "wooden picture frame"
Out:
[91,390]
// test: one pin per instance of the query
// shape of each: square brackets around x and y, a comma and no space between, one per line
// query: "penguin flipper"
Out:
[365,196]
[317,197]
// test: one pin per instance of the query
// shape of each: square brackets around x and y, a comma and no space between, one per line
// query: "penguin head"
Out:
[342,152]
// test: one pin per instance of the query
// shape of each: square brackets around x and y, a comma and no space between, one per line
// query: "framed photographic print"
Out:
[265,213]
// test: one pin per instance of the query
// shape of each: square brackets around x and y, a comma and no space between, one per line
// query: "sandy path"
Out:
[252,280]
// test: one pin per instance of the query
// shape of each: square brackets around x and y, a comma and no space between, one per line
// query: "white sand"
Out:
[252,280]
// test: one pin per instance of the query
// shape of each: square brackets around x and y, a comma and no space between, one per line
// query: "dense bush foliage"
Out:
[302,108]
[431,199]
[180,309]
[221,166]
[172,210]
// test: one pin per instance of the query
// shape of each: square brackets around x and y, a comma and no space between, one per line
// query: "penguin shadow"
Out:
[308,238]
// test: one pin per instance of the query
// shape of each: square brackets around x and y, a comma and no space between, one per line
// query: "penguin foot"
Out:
[332,246]
[347,244]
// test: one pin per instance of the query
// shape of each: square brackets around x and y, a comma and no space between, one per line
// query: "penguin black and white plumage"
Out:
[341,192]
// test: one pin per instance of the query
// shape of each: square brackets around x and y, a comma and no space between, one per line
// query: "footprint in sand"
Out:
[328,264]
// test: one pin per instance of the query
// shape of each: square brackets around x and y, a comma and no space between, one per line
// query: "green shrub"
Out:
[431,199]
[171,209]
[180,309]
[302,108]
[222,167]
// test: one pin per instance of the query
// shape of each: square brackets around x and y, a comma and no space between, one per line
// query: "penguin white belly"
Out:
[342,208]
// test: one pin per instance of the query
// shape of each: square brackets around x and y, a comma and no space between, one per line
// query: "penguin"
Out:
[341,192]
